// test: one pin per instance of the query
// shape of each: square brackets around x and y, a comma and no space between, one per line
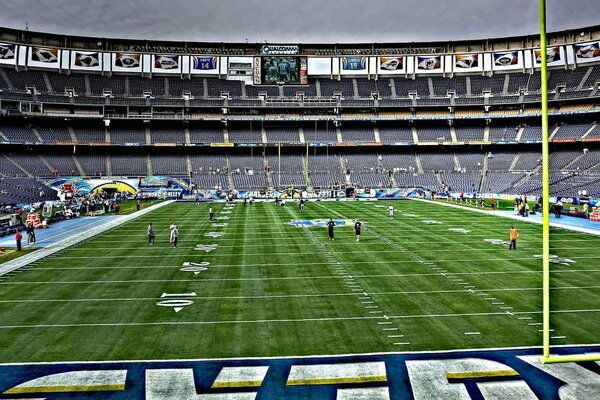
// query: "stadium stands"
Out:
[68,108]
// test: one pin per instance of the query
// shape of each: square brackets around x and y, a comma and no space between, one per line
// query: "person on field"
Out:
[150,234]
[391,211]
[357,226]
[30,233]
[18,238]
[330,225]
[558,208]
[211,214]
[174,236]
[513,235]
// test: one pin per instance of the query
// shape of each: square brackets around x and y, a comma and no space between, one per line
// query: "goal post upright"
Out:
[545,186]
[547,358]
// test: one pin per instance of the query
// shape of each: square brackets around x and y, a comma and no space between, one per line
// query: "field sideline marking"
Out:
[75,239]
[515,217]
[314,356]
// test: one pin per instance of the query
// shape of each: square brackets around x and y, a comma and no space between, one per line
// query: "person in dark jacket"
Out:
[330,226]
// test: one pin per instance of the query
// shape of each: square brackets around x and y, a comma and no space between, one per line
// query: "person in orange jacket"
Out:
[513,235]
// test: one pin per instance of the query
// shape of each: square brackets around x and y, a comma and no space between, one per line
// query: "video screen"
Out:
[280,70]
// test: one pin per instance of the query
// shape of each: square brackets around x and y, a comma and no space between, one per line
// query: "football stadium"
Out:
[202,220]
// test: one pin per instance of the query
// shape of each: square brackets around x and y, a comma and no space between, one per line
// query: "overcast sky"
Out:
[297,21]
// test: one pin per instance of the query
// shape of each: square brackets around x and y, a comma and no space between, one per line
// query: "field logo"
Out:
[320,223]
[213,234]
[196,268]
[511,374]
[554,259]
[460,230]
[176,301]
[497,241]
[205,247]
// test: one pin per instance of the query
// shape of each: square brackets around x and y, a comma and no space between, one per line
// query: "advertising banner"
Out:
[391,64]
[430,63]
[506,58]
[128,61]
[166,62]
[204,63]
[7,51]
[587,52]
[354,63]
[46,56]
[85,60]
[466,61]
[553,54]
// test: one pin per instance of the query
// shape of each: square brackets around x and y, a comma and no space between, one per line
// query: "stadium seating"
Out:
[24,190]
[428,97]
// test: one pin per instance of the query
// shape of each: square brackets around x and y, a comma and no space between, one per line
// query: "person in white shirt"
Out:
[391,212]
[174,236]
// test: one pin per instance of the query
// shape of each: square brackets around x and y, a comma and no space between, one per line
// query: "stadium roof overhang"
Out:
[327,49]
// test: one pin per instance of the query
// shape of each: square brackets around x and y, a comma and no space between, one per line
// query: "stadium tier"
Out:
[461,128]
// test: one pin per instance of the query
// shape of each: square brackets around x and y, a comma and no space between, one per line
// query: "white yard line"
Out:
[391,262]
[282,278]
[294,320]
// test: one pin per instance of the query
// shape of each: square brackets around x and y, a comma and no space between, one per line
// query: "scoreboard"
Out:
[280,65]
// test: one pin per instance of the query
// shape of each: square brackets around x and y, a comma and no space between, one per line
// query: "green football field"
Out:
[433,278]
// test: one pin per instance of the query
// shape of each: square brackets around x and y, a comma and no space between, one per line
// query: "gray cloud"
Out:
[298,21]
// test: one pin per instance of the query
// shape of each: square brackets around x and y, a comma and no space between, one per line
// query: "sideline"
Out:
[37,255]
[595,232]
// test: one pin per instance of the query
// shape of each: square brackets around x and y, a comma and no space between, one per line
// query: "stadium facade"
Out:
[444,117]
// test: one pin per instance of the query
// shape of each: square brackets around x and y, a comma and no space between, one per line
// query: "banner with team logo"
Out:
[204,63]
[7,53]
[553,54]
[391,64]
[86,60]
[466,61]
[354,63]
[127,61]
[429,63]
[587,52]
[506,60]
[166,62]
[43,56]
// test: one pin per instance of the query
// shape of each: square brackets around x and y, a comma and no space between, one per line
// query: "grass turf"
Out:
[273,289]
